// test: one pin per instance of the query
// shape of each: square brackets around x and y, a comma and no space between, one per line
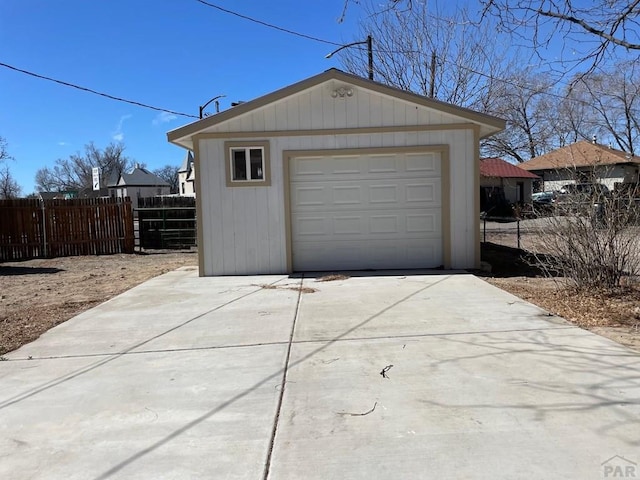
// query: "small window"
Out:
[247,163]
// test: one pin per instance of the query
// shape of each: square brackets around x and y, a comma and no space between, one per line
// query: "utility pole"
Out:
[369,42]
[432,85]
[370,52]
[202,107]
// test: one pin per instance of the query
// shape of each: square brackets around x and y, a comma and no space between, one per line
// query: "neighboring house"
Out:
[502,181]
[337,172]
[186,177]
[89,192]
[140,183]
[584,162]
[65,195]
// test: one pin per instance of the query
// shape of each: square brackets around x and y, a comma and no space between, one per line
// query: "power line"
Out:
[385,51]
[269,25]
[85,89]
[291,32]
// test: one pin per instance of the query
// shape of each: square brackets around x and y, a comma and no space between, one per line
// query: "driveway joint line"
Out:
[294,342]
[437,334]
[114,356]
[283,384]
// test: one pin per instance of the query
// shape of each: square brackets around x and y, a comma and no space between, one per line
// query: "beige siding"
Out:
[241,227]
[317,109]
[244,227]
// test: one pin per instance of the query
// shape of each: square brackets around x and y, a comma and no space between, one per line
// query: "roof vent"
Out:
[593,139]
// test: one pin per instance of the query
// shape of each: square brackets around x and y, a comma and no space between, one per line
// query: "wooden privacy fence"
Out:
[167,222]
[32,228]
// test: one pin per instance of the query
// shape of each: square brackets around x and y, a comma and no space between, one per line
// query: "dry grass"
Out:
[332,278]
[36,295]
[295,288]
[614,314]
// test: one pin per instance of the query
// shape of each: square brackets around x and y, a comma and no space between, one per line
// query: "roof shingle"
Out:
[141,177]
[498,168]
[579,154]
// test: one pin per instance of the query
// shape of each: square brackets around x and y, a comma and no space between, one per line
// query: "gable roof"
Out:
[112,181]
[498,168]
[488,123]
[579,154]
[186,163]
[141,177]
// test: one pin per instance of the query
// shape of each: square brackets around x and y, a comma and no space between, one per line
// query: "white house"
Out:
[337,172]
[186,177]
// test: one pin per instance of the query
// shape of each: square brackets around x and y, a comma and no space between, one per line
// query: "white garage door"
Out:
[359,212]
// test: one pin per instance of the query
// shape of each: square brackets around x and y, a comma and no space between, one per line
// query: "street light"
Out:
[205,105]
[369,43]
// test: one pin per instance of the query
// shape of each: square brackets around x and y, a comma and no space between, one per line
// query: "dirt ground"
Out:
[36,295]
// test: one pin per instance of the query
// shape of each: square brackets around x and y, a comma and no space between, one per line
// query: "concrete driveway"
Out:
[281,378]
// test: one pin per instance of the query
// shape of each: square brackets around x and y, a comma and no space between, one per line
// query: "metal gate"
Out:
[166,222]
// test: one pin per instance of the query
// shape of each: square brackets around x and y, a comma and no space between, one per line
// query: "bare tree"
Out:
[422,51]
[75,172]
[573,117]
[596,28]
[471,70]
[591,241]
[4,152]
[523,100]
[169,173]
[9,187]
[613,99]
[381,7]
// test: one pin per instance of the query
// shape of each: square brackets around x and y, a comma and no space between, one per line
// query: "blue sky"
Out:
[174,54]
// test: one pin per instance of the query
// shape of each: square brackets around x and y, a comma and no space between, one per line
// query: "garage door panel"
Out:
[383,224]
[366,211]
[366,167]
[307,167]
[340,166]
[318,256]
[404,193]
[309,196]
[311,226]
[383,193]
[383,164]
[427,164]
[359,225]
[351,225]
[347,194]
[425,192]
[423,223]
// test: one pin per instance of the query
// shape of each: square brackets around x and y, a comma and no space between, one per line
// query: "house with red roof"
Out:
[503,182]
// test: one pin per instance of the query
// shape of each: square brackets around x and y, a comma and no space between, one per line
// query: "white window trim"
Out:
[247,146]
[247,163]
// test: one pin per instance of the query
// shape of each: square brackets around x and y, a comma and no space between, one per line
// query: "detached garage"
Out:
[337,173]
